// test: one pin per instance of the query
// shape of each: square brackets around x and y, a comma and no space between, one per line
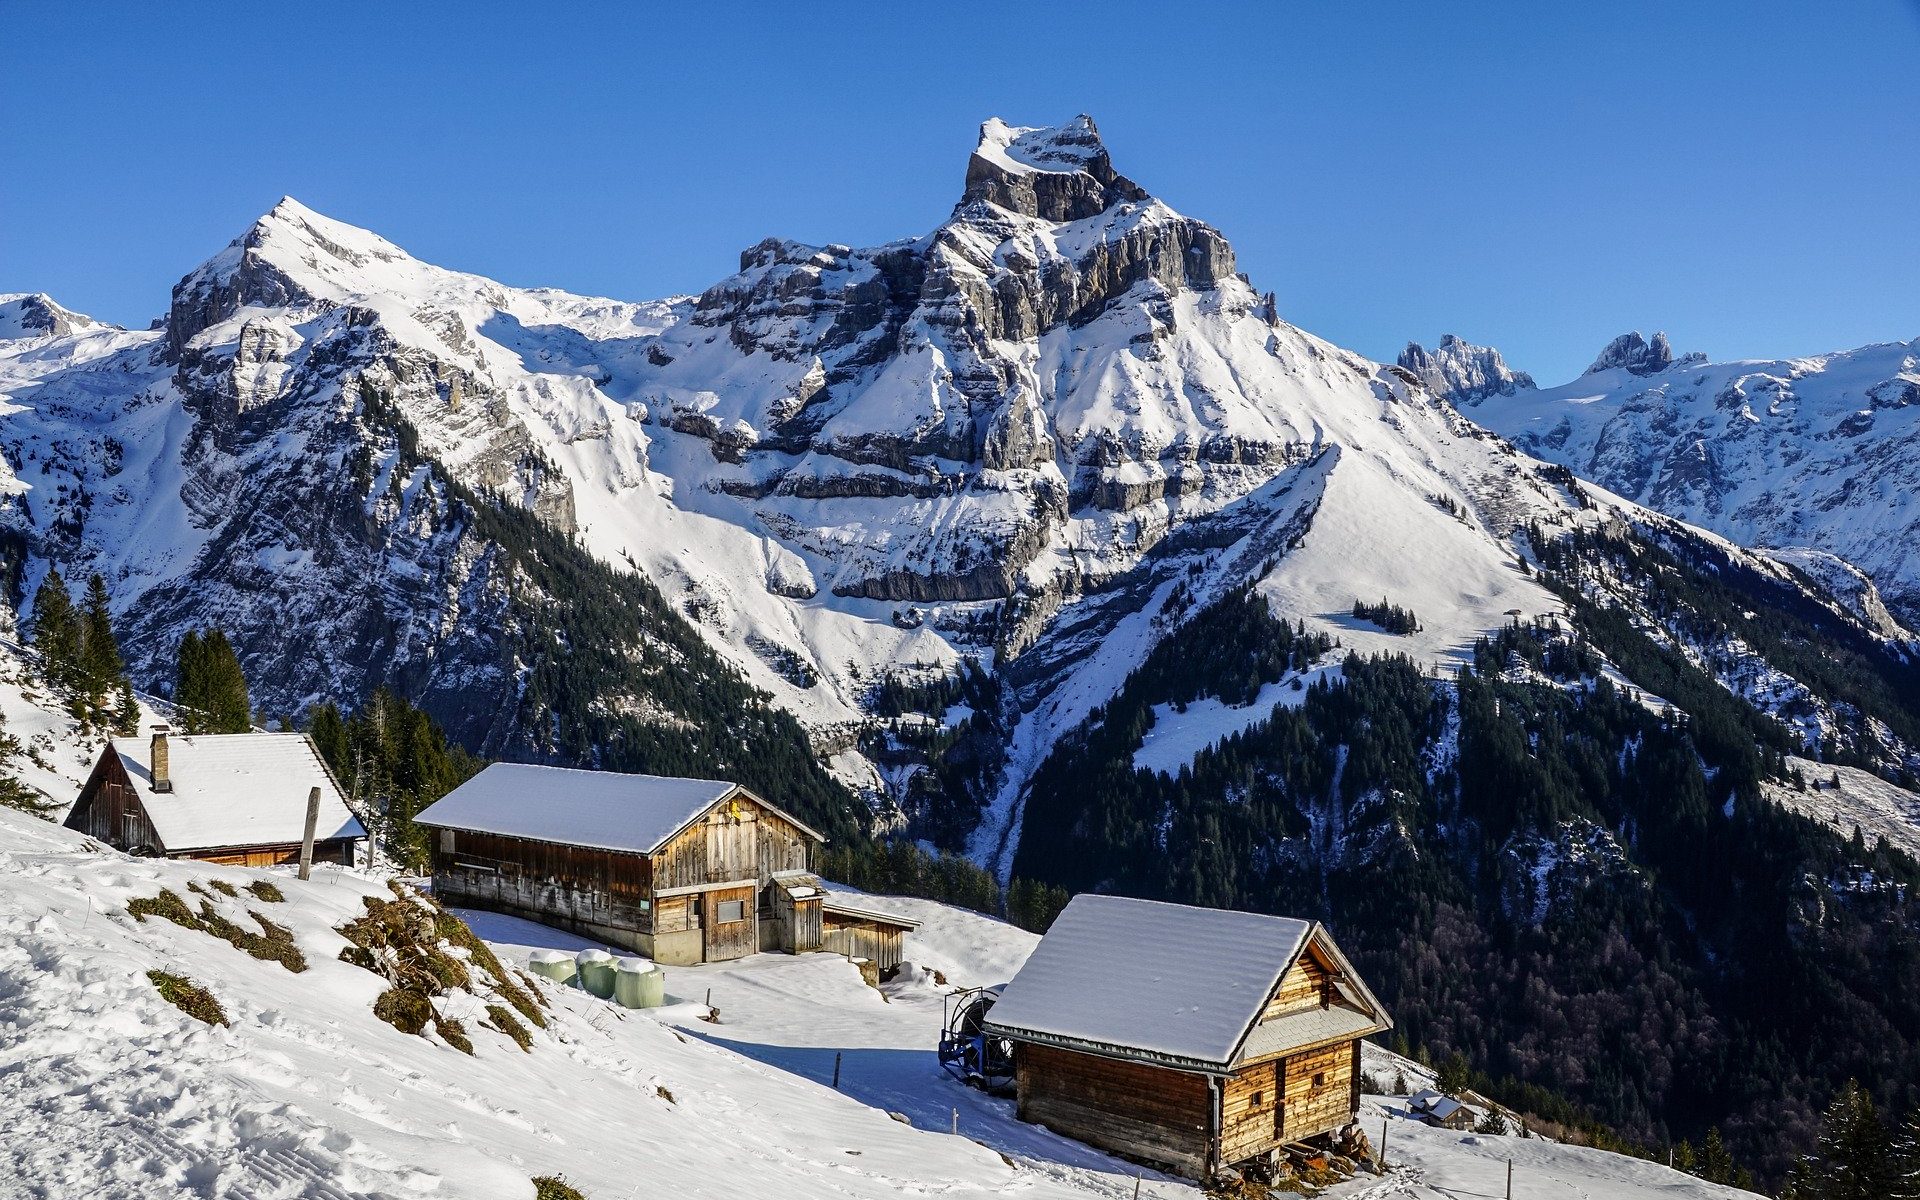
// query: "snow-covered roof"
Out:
[834,904]
[634,814]
[1165,980]
[236,789]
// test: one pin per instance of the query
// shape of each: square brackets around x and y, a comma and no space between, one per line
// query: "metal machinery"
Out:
[967,1051]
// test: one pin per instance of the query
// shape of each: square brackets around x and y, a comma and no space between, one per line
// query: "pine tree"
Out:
[1716,1165]
[13,793]
[190,683]
[56,631]
[126,709]
[1856,1159]
[1906,1159]
[1454,1074]
[211,688]
[100,663]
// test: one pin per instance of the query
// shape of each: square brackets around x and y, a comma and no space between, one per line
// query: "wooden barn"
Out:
[238,798]
[681,870]
[1194,1038]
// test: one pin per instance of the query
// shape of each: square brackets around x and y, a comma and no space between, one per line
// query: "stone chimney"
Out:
[162,781]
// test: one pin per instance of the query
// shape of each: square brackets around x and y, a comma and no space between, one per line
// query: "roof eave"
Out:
[1176,1062]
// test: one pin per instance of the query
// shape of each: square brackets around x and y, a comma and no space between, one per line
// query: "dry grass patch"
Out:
[274,943]
[188,996]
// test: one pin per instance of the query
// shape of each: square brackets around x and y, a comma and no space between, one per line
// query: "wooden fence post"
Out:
[306,842]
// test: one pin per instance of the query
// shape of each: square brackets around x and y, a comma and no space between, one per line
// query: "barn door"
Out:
[727,922]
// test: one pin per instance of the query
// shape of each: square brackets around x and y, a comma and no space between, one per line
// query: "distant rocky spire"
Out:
[1462,372]
[1635,355]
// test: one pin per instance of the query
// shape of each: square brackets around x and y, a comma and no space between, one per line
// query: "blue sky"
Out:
[1536,176]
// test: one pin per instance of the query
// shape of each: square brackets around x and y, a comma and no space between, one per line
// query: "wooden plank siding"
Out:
[1249,1112]
[728,939]
[1317,1107]
[737,840]
[882,945]
[1129,1107]
[573,886]
[1303,986]
[336,850]
[109,809]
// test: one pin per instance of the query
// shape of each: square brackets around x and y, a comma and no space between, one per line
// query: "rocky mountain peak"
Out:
[1462,372]
[1056,173]
[1635,354]
[34,314]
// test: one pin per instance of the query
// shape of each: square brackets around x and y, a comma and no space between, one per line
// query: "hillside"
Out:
[306,1094]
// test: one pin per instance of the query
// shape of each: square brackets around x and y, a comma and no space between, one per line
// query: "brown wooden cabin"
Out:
[680,870]
[236,798]
[1193,1038]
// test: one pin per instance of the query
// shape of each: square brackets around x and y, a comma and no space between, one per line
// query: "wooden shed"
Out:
[681,870]
[1189,1037]
[858,932]
[237,798]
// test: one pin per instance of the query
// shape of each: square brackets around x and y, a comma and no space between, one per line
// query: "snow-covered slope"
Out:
[113,1092]
[1805,452]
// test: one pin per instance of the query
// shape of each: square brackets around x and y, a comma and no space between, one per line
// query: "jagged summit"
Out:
[1637,356]
[1057,173]
[35,314]
[1462,372]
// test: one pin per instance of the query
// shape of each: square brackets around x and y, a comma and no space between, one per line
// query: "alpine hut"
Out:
[681,870]
[237,798]
[1194,1038]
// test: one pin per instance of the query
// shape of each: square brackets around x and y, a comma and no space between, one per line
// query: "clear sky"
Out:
[1535,176]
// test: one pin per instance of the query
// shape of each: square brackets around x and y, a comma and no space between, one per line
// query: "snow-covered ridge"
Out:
[1814,452]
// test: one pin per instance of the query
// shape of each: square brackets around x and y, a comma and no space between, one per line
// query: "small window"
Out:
[1319,1079]
[731,910]
[1258,1099]
[446,841]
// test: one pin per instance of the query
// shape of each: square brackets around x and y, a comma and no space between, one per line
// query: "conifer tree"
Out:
[100,663]
[1453,1075]
[56,630]
[1856,1159]
[211,688]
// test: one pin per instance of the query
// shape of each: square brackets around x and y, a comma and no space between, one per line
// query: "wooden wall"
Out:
[598,887]
[1318,1108]
[335,850]
[739,839]
[1250,1112]
[109,809]
[1131,1108]
[882,945]
[1303,986]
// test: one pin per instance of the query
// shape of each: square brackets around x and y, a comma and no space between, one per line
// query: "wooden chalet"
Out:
[1189,1037]
[681,870]
[237,798]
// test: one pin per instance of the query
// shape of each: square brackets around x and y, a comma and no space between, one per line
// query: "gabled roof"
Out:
[1168,983]
[236,789]
[634,814]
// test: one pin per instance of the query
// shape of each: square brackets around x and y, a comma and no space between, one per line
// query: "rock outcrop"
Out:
[1462,372]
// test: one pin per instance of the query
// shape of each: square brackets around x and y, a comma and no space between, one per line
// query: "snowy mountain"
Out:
[1044,538]
[1794,455]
